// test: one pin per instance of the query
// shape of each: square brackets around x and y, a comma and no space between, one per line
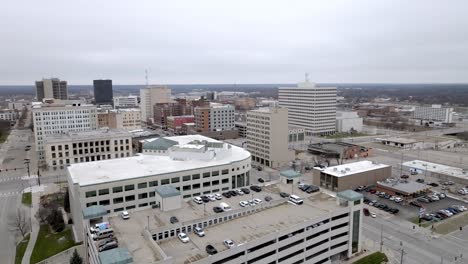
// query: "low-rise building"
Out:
[420,142]
[434,113]
[402,187]
[351,175]
[339,150]
[196,165]
[242,128]
[62,150]
[438,171]
[175,123]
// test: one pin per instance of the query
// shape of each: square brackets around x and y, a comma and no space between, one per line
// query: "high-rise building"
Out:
[126,101]
[310,106]
[52,88]
[434,113]
[267,136]
[103,94]
[151,95]
[215,117]
[60,117]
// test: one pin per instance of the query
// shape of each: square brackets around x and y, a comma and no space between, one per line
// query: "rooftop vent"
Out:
[348,169]
[335,169]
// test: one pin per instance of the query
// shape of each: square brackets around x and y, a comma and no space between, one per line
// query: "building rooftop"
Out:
[115,256]
[437,168]
[244,229]
[419,138]
[290,174]
[167,191]
[148,165]
[159,144]
[350,195]
[353,168]
[87,135]
[404,186]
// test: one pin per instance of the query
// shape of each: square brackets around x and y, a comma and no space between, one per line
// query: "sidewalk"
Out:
[35,228]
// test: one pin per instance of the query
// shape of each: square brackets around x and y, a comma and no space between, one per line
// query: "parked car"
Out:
[211,197]
[197,200]
[245,190]
[227,194]
[261,180]
[284,195]
[183,237]
[239,192]
[366,211]
[211,250]
[382,194]
[259,168]
[228,243]
[218,209]
[433,184]
[268,198]
[107,246]
[173,220]
[372,191]
[387,196]
[205,199]
[398,200]
[373,215]
[218,196]
[295,199]
[312,189]
[233,193]
[256,188]
[125,215]
[420,180]
[392,198]
[199,231]
[414,203]
[244,203]
[424,200]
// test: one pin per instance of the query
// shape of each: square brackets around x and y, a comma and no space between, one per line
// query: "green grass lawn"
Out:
[20,249]
[49,244]
[27,199]
[4,136]
[374,258]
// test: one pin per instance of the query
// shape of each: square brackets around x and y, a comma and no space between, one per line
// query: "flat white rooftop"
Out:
[103,171]
[353,168]
[90,135]
[437,168]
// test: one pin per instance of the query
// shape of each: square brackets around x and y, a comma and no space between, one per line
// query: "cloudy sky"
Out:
[182,42]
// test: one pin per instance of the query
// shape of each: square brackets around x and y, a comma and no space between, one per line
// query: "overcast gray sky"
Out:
[182,42]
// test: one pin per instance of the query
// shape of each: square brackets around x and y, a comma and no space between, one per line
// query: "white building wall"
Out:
[222,117]
[129,119]
[345,121]
[9,115]
[126,101]
[310,106]
[435,113]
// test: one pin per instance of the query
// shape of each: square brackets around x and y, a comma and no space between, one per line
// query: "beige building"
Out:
[351,175]
[129,119]
[151,95]
[62,150]
[267,136]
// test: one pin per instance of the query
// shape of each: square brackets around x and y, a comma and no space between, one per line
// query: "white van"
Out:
[198,200]
[295,199]
[103,234]
[226,207]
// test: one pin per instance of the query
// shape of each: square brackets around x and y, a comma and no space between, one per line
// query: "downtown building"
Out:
[128,118]
[61,150]
[129,101]
[267,136]
[215,117]
[433,113]
[162,111]
[149,96]
[60,117]
[103,93]
[52,88]
[310,106]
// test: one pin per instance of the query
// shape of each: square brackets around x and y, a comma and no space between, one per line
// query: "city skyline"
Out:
[230,42]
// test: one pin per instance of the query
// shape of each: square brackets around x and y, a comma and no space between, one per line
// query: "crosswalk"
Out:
[6,194]
[10,179]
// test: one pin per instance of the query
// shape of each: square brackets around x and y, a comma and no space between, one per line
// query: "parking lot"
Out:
[410,212]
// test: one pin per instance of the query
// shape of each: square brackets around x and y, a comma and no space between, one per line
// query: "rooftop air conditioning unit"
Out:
[335,169]
[348,169]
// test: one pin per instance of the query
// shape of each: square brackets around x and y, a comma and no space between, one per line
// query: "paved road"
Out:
[419,245]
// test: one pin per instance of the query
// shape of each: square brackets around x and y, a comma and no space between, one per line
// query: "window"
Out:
[152,194]
[187,188]
[91,204]
[143,205]
[130,198]
[118,209]
[215,173]
[206,184]
[142,185]
[215,182]
[196,186]
[186,178]
[117,189]
[103,191]
[224,172]
[129,187]
[142,195]
[223,181]
[153,183]
[165,181]
[90,194]
[206,174]
[130,207]
[195,176]
[104,202]
[175,180]
[118,200]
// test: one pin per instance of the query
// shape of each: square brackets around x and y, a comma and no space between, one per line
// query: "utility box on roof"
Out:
[168,198]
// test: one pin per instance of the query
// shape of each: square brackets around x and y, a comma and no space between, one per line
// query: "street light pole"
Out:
[381,237]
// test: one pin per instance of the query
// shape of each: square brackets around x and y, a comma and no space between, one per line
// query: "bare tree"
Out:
[42,214]
[20,223]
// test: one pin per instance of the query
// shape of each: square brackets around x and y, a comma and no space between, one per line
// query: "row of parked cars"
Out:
[384,195]
[308,188]
[103,234]
[381,206]
[431,197]
[444,213]
[216,196]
